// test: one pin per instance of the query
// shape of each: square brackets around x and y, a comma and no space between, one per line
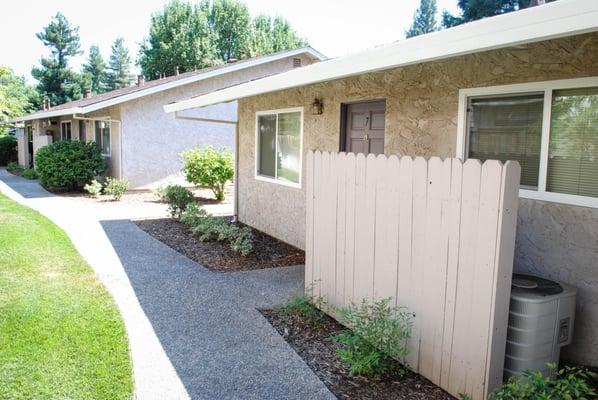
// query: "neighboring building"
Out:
[140,141]
[520,86]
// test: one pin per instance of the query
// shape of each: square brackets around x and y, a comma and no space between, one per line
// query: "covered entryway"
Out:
[364,127]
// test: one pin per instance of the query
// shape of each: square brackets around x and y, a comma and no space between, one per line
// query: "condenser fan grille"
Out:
[536,285]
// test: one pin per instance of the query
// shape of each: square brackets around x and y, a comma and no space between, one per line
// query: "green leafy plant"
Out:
[160,192]
[377,335]
[209,168]
[567,383]
[116,187]
[14,166]
[208,227]
[178,198]
[8,149]
[69,164]
[94,188]
[29,173]
[306,307]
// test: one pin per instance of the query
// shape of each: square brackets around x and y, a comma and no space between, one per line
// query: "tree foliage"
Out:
[16,97]
[472,10]
[424,19]
[118,74]
[189,36]
[56,80]
[95,68]
[180,37]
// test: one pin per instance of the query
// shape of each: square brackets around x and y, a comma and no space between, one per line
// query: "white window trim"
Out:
[61,131]
[263,178]
[547,87]
[109,154]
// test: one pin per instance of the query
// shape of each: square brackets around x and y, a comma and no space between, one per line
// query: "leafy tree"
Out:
[56,80]
[271,36]
[119,66]
[180,37]
[231,22]
[424,19]
[16,97]
[472,10]
[95,68]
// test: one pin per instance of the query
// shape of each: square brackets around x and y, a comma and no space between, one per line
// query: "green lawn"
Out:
[61,335]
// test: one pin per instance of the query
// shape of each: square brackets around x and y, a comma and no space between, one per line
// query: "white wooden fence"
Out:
[436,236]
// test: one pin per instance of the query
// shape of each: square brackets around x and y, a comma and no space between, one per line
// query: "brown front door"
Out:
[364,127]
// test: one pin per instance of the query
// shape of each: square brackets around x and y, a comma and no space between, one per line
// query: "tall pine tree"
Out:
[119,66]
[56,80]
[95,68]
[424,20]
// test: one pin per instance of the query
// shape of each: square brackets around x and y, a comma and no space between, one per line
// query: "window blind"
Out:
[573,144]
[508,128]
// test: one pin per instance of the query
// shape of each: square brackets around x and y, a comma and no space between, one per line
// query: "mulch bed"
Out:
[217,256]
[312,343]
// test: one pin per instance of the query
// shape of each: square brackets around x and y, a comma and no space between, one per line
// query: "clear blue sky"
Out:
[334,27]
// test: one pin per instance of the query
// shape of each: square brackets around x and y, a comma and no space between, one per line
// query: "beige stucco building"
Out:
[139,141]
[433,91]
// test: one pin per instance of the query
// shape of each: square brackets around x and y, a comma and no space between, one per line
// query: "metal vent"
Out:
[296,62]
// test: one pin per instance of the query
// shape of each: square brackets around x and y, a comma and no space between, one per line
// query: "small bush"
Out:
[305,307]
[378,335]
[178,198]
[209,168]
[13,166]
[567,383]
[8,149]
[116,187]
[160,192]
[94,188]
[69,164]
[29,173]
[208,227]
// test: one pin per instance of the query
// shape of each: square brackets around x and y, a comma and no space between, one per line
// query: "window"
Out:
[82,131]
[102,133]
[550,128]
[65,130]
[279,147]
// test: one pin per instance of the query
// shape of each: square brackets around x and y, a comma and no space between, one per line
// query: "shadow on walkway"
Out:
[208,324]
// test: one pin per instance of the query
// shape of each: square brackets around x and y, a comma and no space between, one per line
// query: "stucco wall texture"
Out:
[554,240]
[152,140]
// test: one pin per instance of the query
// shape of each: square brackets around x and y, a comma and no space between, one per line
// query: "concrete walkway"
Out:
[192,333]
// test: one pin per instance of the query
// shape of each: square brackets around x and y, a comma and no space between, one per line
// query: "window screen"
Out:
[573,145]
[508,128]
[279,146]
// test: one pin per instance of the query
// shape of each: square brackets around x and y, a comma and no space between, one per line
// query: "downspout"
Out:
[120,137]
[236,167]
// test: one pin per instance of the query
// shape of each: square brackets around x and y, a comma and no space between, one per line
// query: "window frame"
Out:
[264,178]
[62,123]
[546,87]
[100,145]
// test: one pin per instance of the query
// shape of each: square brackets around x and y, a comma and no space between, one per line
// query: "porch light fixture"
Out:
[317,107]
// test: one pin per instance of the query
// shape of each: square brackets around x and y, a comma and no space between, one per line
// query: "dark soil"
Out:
[217,256]
[312,343]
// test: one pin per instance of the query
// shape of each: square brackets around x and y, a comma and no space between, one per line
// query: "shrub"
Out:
[378,334]
[116,187]
[13,166]
[94,188]
[208,227]
[209,168]
[69,164]
[178,198]
[8,149]
[29,173]
[160,192]
[567,383]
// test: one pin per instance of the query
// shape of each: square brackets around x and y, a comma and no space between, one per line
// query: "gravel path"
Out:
[193,333]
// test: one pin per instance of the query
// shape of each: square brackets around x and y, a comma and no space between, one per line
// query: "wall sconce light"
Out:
[317,107]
